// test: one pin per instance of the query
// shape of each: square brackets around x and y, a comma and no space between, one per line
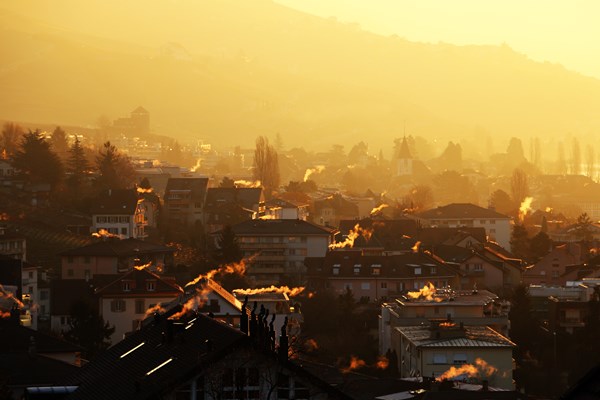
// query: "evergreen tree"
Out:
[519,243]
[116,172]
[36,161]
[583,228]
[228,249]
[88,329]
[77,165]
[540,245]
[523,327]
[11,135]
[59,142]
[502,202]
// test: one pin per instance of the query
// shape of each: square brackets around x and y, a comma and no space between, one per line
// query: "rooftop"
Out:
[471,336]
[280,227]
[118,248]
[461,210]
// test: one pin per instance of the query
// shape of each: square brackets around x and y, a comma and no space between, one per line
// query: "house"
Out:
[433,349]
[124,302]
[377,277]
[7,172]
[32,358]
[118,212]
[12,244]
[195,356]
[184,200]
[497,226]
[137,124]
[480,308]
[332,209]
[113,256]
[278,248]
[287,209]
[229,206]
[387,235]
[552,268]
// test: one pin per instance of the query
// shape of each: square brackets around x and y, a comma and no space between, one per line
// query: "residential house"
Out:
[497,226]
[113,256]
[432,350]
[7,172]
[12,244]
[124,303]
[287,209]
[197,357]
[229,206]
[184,200]
[278,248]
[470,307]
[333,209]
[118,212]
[376,277]
[552,268]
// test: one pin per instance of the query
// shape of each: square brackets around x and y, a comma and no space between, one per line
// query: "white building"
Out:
[120,213]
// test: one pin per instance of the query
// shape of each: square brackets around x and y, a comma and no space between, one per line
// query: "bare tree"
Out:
[561,167]
[519,186]
[590,160]
[266,165]
[11,135]
[575,158]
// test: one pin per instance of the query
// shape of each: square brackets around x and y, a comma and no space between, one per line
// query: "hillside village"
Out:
[176,271]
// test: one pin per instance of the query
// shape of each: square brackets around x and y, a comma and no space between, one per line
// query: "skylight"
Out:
[159,367]
[132,350]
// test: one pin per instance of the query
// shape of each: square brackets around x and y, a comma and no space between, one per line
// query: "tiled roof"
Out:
[460,210]
[137,279]
[280,227]
[197,186]
[16,340]
[115,202]
[24,370]
[118,248]
[473,336]
[446,235]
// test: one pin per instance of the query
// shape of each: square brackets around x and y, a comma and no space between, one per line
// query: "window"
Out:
[348,286]
[478,267]
[439,359]
[87,274]
[365,286]
[554,274]
[140,306]
[482,222]
[492,221]
[70,259]
[336,269]
[357,269]
[241,383]
[214,306]
[117,305]
[43,295]
[418,271]
[432,270]
[70,272]
[150,286]
[87,259]
[124,220]
[126,286]
[460,358]
[384,285]
[124,231]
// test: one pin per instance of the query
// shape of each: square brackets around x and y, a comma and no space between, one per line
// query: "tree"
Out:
[583,228]
[575,158]
[590,160]
[561,167]
[77,165]
[228,249]
[11,135]
[502,202]
[227,182]
[36,161]
[266,165]
[523,328]
[59,142]
[358,154]
[519,243]
[420,197]
[519,187]
[116,172]
[540,245]
[88,329]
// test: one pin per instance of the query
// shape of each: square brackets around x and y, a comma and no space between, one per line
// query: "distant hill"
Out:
[229,70]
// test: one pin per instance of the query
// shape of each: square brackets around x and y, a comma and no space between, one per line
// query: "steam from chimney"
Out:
[548,209]
[291,292]
[378,209]
[310,171]
[103,233]
[141,190]
[382,362]
[157,308]
[196,166]
[197,301]
[415,248]
[525,208]
[427,292]
[142,267]
[247,184]
[268,216]
[353,234]
[233,268]
[481,368]
[355,363]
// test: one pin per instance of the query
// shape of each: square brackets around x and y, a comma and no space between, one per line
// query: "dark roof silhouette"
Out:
[118,248]
[116,201]
[138,279]
[140,110]
[460,210]
[280,227]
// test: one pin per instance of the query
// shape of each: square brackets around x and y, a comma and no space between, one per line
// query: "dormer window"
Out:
[432,270]
[126,286]
[151,286]
[357,269]
[336,269]
[418,271]
[376,269]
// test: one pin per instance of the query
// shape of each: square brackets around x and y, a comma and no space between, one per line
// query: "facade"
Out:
[285,209]
[124,302]
[551,269]
[333,209]
[119,212]
[12,245]
[497,226]
[278,248]
[432,350]
[113,256]
[138,123]
[184,200]
[229,206]
[480,308]
[377,277]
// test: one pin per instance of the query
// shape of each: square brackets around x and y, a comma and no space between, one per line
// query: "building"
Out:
[113,256]
[476,308]
[551,269]
[433,349]
[197,357]
[138,123]
[119,212]
[404,160]
[278,248]
[124,303]
[287,209]
[229,206]
[184,201]
[497,226]
[376,277]
[12,244]
[333,209]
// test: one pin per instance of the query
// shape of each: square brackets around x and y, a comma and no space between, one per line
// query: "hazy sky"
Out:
[562,31]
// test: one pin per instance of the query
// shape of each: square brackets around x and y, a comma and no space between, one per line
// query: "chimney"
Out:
[253,322]
[283,342]
[485,385]
[244,317]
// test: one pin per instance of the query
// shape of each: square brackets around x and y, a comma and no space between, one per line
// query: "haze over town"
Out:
[297,199]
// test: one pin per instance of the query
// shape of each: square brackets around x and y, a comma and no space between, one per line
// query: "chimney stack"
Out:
[244,317]
[283,342]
